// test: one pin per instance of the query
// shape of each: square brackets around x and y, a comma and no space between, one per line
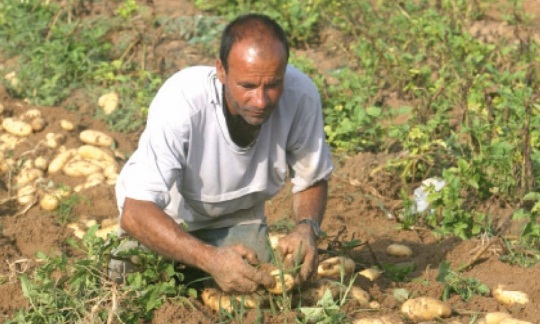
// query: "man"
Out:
[218,143]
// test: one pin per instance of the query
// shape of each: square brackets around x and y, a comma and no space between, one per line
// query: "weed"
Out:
[455,283]
[398,272]
[66,205]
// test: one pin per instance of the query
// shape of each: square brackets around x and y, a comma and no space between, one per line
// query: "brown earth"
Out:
[362,205]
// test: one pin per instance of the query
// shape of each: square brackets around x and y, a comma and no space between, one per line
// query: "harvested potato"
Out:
[108,102]
[510,297]
[105,231]
[41,163]
[97,138]
[49,202]
[496,317]
[60,160]
[371,274]
[399,250]
[28,175]
[333,267]
[30,114]
[315,290]
[26,194]
[38,124]
[94,153]
[280,286]
[425,309]
[8,142]
[80,168]
[2,108]
[372,321]
[67,125]
[217,300]
[360,295]
[274,239]
[54,140]
[16,127]
[77,231]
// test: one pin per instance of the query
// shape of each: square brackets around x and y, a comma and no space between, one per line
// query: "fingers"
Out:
[247,254]
[309,266]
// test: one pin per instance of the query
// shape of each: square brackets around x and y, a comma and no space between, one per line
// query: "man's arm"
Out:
[229,265]
[307,204]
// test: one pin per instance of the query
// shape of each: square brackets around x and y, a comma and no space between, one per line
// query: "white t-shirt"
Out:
[187,164]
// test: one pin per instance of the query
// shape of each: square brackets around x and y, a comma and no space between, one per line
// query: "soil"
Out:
[364,201]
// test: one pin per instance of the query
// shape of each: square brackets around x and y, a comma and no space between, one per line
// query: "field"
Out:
[413,90]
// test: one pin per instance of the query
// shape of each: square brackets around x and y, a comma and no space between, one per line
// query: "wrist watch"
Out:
[313,224]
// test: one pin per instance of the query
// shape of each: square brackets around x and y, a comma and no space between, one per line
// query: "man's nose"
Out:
[261,98]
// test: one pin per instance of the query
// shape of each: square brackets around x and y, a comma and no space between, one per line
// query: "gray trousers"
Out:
[254,236]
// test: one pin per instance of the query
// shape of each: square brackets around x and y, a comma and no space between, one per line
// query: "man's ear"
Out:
[220,71]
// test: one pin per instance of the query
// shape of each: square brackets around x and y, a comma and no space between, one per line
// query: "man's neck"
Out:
[242,133]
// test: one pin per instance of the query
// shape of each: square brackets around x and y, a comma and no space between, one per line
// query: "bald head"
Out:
[260,30]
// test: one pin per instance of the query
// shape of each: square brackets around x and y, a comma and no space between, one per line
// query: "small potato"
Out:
[26,194]
[272,237]
[105,231]
[30,114]
[371,274]
[399,250]
[425,309]
[332,267]
[108,102]
[17,127]
[217,300]
[54,140]
[60,160]
[111,171]
[510,297]
[49,202]
[41,163]
[279,287]
[77,231]
[8,142]
[496,317]
[97,138]
[360,295]
[80,168]
[28,175]
[38,124]
[94,153]
[67,125]
[369,321]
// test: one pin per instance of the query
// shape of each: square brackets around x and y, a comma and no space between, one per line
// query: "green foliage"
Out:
[326,311]
[455,283]
[66,205]
[398,272]
[78,290]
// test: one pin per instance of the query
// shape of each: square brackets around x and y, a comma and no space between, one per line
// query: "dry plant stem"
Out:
[373,255]
[474,258]
[27,207]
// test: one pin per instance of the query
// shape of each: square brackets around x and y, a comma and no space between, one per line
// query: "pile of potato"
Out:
[32,174]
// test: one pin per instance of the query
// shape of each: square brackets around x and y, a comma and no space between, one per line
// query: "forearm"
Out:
[148,224]
[311,203]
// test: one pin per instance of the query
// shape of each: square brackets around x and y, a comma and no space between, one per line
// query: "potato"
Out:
[371,274]
[80,168]
[38,124]
[105,231]
[273,238]
[369,321]
[41,163]
[510,297]
[2,108]
[28,175]
[425,309]
[49,202]
[60,160]
[279,287]
[111,171]
[316,289]
[332,267]
[496,317]
[16,127]
[217,300]
[399,250]
[8,142]
[360,295]
[30,114]
[26,194]
[94,153]
[67,125]
[77,231]
[97,138]
[54,140]
[108,102]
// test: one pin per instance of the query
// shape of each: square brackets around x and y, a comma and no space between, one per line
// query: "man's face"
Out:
[254,81]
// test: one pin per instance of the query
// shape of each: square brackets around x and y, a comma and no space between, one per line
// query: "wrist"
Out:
[308,224]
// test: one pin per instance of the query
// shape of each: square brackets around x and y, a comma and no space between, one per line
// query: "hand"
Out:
[301,245]
[233,270]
